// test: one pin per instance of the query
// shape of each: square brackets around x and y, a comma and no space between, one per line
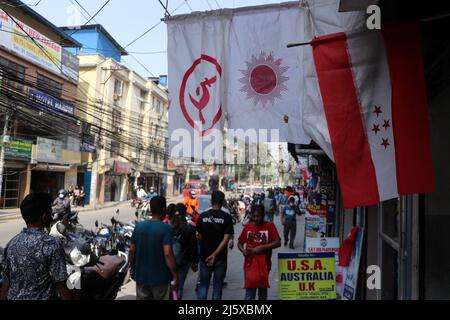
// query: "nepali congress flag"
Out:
[372,87]
[264,76]
[197,48]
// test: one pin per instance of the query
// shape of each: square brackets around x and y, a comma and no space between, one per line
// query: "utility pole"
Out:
[2,153]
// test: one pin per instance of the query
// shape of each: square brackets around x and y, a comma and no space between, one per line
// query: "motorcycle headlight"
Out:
[78,259]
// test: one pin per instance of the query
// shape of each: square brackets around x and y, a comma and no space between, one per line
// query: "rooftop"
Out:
[99,28]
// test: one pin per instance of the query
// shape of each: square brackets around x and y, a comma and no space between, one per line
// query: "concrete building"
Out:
[38,90]
[127,121]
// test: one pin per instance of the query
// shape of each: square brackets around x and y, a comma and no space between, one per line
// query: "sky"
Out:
[126,20]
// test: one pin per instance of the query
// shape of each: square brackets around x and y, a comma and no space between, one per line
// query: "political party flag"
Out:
[197,48]
[374,100]
[264,77]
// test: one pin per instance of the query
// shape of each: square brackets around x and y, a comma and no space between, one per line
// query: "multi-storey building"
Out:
[126,117]
[38,88]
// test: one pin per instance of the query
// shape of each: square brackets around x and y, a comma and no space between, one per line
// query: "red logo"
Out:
[201,98]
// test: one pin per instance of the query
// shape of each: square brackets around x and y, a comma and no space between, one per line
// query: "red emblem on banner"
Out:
[201,99]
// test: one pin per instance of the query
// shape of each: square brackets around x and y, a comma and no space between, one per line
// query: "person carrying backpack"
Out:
[184,246]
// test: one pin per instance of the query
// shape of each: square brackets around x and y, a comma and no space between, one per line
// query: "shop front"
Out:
[15,183]
[115,183]
[48,174]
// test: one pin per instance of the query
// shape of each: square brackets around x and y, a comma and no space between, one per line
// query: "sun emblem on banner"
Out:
[264,80]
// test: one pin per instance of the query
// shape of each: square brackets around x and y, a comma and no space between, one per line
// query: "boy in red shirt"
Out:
[256,243]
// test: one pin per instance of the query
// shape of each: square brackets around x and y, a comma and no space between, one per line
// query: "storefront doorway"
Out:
[46,181]
[113,187]
[10,189]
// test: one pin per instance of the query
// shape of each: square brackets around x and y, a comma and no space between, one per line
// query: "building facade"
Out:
[39,80]
[127,121]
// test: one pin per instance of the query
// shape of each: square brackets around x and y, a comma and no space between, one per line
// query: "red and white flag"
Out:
[372,87]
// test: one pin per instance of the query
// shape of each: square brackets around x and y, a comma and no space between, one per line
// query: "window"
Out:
[115,148]
[158,107]
[116,117]
[118,88]
[49,86]
[13,74]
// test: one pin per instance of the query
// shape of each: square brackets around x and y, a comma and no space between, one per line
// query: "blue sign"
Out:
[43,100]
[87,147]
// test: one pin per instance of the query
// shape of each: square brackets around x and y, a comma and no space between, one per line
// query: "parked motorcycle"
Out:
[93,277]
[97,269]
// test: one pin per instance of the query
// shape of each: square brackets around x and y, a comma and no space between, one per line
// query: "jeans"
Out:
[290,231]
[219,270]
[250,294]
[152,293]
[182,274]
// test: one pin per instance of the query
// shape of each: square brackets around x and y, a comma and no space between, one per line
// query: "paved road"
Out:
[235,274]
[9,227]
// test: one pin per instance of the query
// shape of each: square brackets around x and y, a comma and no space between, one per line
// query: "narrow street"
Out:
[235,276]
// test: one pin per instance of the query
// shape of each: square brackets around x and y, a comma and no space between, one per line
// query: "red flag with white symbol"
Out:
[374,99]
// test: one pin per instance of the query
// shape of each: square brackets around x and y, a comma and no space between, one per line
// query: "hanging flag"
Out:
[374,100]
[233,64]
[197,48]
[265,77]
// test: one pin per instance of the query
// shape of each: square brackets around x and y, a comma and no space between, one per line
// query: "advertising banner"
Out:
[350,274]
[47,53]
[18,148]
[315,226]
[49,151]
[306,276]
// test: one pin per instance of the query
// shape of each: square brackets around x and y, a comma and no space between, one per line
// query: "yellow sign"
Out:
[306,276]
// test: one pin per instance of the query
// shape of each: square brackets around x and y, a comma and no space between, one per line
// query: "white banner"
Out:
[197,48]
[265,78]
[235,65]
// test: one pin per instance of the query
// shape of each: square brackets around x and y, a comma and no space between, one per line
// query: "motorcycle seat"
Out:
[108,266]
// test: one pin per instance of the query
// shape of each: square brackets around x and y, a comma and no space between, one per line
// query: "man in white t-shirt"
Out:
[141,194]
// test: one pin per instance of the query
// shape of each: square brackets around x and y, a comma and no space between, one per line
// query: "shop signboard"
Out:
[317,210]
[42,100]
[18,148]
[321,245]
[121,167]
[12,36]
[49,151]
[306,276]
[315,226]
[70,65]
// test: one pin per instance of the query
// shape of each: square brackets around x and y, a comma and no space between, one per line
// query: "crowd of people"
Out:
[77,196]
[164,248]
